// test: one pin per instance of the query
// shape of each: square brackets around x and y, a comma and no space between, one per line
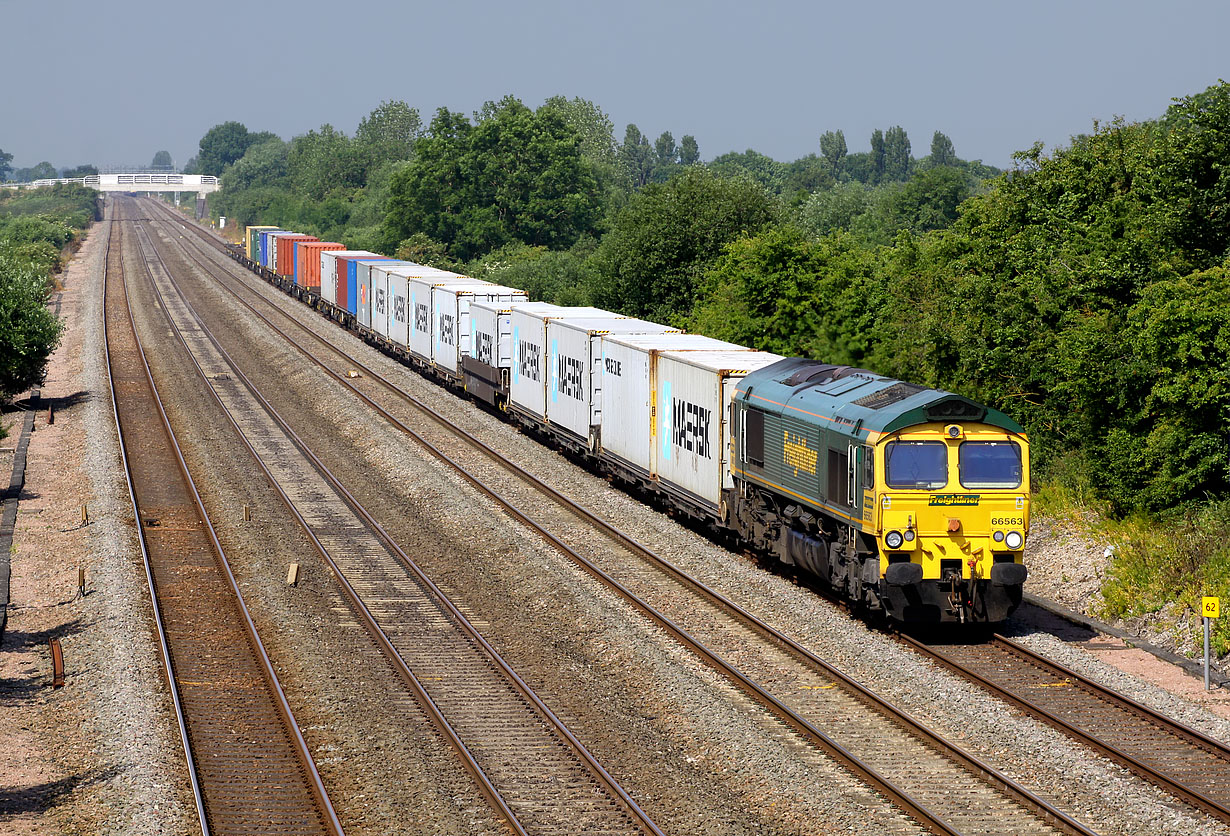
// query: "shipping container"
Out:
[363,284]
[629,363]
[361,268]
[528,389]
[488,367]
[450,306]
[419,284]
[288,253]
[275,239]
[394,281]
[380,301]
[265,236]
[252,241]
[574,377]
[329,272]
[307,262]
[689,451]
[347,289]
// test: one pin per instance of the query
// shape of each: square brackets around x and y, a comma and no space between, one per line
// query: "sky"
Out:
[112,83]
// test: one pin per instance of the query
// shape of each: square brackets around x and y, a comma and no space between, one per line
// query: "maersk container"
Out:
[395,280]
[689,451]
[329,270]
[421,281]
[528,389]
[491,330]
[307,261]
[451,311]
[574,383]
[363,284]
[629,364]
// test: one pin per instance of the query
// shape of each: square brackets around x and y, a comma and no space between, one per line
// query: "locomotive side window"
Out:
[869,469]
[916,464]
[990,464]
[753,445]
[839,464]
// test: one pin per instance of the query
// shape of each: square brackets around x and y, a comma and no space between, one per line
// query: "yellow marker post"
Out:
[1210,608]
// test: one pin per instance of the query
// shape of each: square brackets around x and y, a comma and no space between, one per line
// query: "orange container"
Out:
[307,262]
[286,253]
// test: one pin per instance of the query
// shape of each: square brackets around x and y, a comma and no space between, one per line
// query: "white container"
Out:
[491,329]
[687,449]
[380,302]
[420,288]
[328,272]
[629,369]
[451,312]
[363,287]
[528,388]
[574,384]
[395,278]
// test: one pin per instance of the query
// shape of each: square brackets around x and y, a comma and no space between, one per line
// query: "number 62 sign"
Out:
[1210,607]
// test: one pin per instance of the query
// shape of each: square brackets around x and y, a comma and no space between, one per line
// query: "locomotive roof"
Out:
[857,401]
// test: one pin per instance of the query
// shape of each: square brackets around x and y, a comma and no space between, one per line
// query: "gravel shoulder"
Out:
[101,754]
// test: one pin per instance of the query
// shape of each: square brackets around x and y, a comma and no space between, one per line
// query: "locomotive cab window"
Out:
[916,464]
[990,464]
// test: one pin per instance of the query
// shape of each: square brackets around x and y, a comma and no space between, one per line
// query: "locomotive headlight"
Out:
[998,537]
[893,539]
[909,535]
[1014,540]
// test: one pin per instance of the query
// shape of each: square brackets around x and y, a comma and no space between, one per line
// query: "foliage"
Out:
[387,135]
[42,171]
[223,144]
[659,245]
[6,164]
[784,293]
[80,171]
[162,161]
[29,332]
[559,276]
[515,176]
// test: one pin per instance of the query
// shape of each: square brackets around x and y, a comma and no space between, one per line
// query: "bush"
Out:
[29,332]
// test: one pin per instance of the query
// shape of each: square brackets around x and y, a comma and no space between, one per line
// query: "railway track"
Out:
[249,766]
[944,788]
[1181,760]
[536,773]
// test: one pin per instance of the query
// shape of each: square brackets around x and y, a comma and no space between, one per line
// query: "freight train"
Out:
[911,503]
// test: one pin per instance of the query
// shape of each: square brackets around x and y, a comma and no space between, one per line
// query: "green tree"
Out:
[222,145]
[662,241]
[388,133]
[637,157]
[262,165]
[689,151]
[942,152]
[780,292]
[896,154]
[593,126]
[879,160]
[42,171]
[516,175]
[765,170]
[6,164]
[832,209]
[324,161]
[833,149]
[80,171]
[29,332]
[162,161]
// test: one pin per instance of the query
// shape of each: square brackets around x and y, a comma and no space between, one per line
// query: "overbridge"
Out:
[149,181]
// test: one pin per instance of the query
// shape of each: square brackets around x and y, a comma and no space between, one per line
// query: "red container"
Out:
[286,253]
[309,252]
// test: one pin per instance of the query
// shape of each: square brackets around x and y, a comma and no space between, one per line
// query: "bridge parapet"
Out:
[136,182]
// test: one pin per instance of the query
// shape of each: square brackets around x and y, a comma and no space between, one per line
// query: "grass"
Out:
[1162,565]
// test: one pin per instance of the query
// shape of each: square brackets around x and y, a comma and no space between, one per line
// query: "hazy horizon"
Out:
[770,78]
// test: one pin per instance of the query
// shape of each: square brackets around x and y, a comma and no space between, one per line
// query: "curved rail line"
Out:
[1046,817]
[570,810]
[249,766]
[1175,757]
